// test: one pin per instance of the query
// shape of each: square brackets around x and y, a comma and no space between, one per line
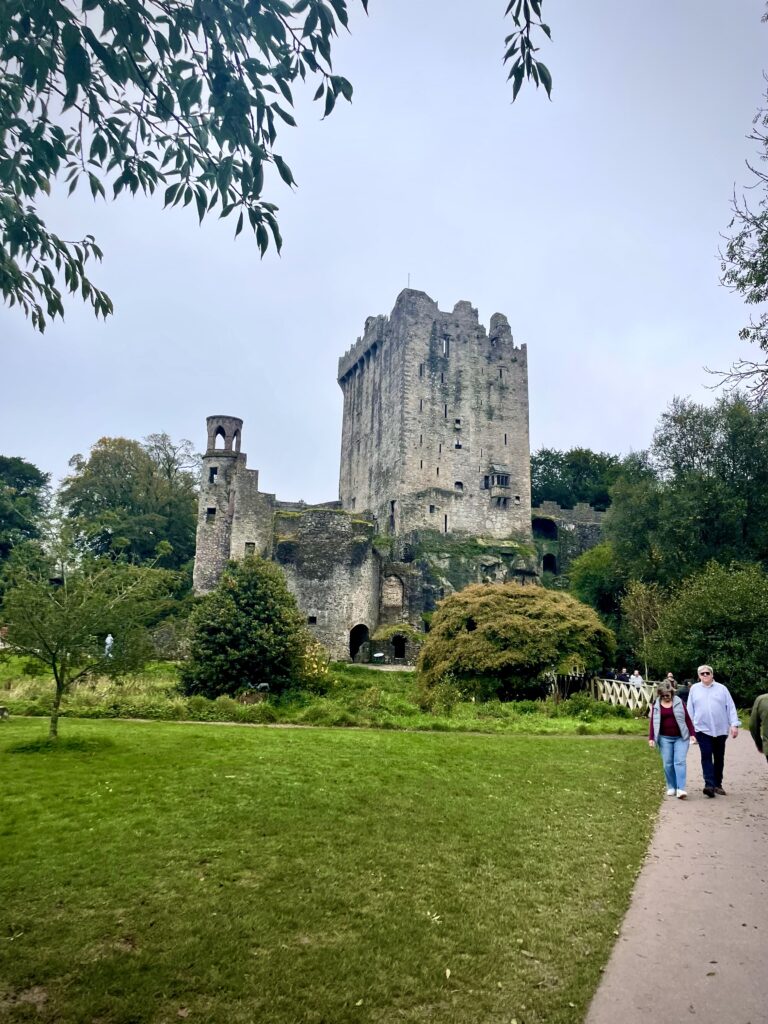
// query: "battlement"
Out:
[412,304]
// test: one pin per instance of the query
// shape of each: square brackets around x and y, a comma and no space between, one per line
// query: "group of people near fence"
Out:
[704,714]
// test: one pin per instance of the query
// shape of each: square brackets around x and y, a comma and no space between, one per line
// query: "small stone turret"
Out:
[225,429]
[216,506]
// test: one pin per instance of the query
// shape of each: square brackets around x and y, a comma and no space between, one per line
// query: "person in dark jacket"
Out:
[671,729]
[683,689]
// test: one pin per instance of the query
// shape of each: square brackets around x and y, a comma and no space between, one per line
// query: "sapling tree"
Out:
[80,617]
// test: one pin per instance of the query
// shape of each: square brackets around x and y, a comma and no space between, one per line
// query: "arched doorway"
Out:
[358,636]
[544,529]
[550,564]
[398,647]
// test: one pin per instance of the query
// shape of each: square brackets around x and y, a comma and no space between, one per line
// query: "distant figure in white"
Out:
[109,643]
[636,679]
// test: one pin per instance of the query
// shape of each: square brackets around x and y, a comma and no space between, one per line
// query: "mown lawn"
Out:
[232,874]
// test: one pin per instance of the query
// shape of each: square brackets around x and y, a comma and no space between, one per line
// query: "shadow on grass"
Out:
[63,745]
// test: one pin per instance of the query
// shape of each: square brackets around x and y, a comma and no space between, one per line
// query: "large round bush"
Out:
[505,636]
[245,632]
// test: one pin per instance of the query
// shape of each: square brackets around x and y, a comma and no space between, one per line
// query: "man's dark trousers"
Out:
[712,750]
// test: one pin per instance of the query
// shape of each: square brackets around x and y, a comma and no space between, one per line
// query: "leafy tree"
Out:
[641,608]
[187,95]
[23,496]
[718,615]
[60,609]
[702,494]
[245,632]
[595,578]
[505,636]
[135,501]
[573,476]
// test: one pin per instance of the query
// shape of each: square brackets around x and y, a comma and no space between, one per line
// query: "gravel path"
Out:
[693,946]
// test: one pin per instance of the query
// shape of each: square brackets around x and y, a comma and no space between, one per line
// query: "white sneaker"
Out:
[681,794]
[671,792]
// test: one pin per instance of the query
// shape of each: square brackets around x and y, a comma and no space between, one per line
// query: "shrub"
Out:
[442,698]
[247,631]
[503,637]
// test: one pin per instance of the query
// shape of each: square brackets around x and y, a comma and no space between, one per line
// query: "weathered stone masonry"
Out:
[434,483]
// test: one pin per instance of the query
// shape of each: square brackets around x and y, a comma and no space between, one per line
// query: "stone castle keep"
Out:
[434,486]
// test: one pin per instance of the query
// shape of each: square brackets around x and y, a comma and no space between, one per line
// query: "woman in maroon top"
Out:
[671,729]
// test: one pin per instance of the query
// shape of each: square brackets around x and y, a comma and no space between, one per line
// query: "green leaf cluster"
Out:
[128,96]
[519,53]
[512,635]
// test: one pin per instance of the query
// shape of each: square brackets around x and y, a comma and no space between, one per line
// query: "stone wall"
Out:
[577,530]
[331,568]
[435,424]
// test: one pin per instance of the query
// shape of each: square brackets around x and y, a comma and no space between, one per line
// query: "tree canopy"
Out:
[23,494]
[137,501]
[573,476]
[509,635]
[186,96]
[701,495]
[717,615]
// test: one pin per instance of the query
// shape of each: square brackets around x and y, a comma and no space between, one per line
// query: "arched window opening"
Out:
[219,435]
[550,564]
[358,636]
[398,647]
[544,529]
[458,485]
[236,441]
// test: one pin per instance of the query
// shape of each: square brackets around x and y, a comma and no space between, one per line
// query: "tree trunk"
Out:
[53,731]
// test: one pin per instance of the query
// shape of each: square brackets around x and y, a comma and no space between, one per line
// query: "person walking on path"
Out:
[758,724]
[714,718]
[683,689]
[671,729]
[636,679]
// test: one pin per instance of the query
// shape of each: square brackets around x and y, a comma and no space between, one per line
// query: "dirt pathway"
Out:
[694,944]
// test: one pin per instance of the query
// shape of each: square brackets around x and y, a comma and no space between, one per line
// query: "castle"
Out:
[434,485]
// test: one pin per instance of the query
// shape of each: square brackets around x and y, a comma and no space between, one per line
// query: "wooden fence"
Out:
[638,698]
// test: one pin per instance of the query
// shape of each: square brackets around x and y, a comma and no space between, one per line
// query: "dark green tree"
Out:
[702,495]
[245,632]
[573,476]
[60,608]
[185,96]
[135,501]
[23,499]
[596,579]
[718,615]
[501,638]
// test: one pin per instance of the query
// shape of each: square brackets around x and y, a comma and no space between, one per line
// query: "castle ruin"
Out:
[434,484]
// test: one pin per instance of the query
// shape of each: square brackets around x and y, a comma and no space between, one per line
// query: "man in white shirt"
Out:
[711,707]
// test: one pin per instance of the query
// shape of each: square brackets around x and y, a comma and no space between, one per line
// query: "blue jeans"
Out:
[674,751]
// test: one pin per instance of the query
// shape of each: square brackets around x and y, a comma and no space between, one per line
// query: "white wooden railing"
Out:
[639,698]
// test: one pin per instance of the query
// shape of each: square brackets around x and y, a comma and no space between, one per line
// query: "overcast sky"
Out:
[592,221]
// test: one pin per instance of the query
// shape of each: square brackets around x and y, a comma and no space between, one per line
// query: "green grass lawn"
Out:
[230,874]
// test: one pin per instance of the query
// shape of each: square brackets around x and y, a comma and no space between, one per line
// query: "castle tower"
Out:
[435,428]
[221,464]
